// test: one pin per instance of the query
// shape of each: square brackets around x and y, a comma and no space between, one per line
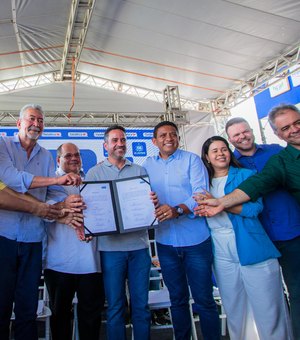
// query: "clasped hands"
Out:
[207,205]
[72,215]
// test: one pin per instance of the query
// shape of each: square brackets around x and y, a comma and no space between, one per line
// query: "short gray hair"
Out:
[279,110]
[233,121]
[30,106]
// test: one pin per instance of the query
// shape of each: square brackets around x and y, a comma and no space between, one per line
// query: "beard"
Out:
[33,133]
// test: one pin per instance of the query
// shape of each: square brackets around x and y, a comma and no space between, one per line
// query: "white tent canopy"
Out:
[206,47]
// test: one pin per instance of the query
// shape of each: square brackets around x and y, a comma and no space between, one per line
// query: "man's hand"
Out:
[208,207]
[81,234]
[69,179]
[154,199]
[71,218]
[74,202]
[165,212]
[47,211]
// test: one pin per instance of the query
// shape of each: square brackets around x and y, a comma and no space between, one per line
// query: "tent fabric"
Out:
[203,46]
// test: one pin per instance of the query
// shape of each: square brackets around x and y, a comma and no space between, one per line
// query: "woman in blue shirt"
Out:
[245,265]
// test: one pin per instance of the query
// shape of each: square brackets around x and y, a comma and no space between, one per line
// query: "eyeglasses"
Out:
[69,156]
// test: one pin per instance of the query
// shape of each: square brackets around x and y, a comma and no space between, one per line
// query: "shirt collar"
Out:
[295,153]
[108,163]
[238,155]
[59,172]
[35,149]
[174,155]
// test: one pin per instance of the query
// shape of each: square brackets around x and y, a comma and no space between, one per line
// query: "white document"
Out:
[135,205]
[99,217]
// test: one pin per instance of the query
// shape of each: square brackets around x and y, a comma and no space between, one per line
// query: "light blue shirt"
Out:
[175,180]
[17,172]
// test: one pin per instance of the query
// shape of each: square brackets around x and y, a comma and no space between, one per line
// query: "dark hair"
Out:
[279,110]
[113,127]
[166,122]
[233,161]
[233,121]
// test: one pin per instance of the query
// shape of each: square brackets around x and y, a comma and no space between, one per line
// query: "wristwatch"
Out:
[179,210]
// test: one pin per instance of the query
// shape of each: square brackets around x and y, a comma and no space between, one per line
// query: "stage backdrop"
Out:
[90,142]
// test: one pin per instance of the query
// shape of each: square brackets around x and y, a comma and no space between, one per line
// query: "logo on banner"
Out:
[51,134]
[139,149]
[77,134]
[99,134]
[131,134]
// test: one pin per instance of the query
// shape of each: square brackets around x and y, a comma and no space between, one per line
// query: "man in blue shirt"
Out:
[281,214]
[183,242]
[26,167]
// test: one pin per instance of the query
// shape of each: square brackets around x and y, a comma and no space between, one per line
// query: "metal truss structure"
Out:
[79,19]
[18,84]
[96,119]
[175,107]
[271,73]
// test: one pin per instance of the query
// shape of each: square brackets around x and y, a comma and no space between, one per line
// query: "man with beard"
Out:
[26,167]
[123,256]
[281,221]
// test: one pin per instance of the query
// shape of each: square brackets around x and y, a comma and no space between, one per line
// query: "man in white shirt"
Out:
[72,267]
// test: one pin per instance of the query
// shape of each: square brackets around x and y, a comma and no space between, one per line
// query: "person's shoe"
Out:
[161,319]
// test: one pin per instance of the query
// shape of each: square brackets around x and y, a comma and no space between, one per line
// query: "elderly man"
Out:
[26,167]
[282,170]
[281,221]
[123,256]
[72,267]
[183,242]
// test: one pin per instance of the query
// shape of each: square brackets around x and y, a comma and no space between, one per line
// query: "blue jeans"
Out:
[21,267]
[190,266]
[135,266]
[290,264]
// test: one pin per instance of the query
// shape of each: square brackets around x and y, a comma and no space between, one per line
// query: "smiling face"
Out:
[240,135]
[167,140]
[31,125]
[115,145]
[288,127]
[69,159]
[219,156]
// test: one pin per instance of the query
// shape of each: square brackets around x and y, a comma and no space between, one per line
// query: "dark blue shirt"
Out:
[281,214]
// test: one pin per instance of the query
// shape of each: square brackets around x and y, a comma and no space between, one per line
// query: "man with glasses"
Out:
[72,267]
[26,167]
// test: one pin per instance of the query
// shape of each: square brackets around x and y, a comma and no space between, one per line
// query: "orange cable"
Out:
[73,89]
[161,64]
[31,50]
[152,77]
[29,65]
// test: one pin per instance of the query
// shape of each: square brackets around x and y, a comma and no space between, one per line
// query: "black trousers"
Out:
[90,295]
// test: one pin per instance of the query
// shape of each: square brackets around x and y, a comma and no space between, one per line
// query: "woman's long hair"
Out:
[211,172]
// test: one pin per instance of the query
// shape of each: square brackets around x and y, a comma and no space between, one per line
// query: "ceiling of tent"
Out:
[204,47]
